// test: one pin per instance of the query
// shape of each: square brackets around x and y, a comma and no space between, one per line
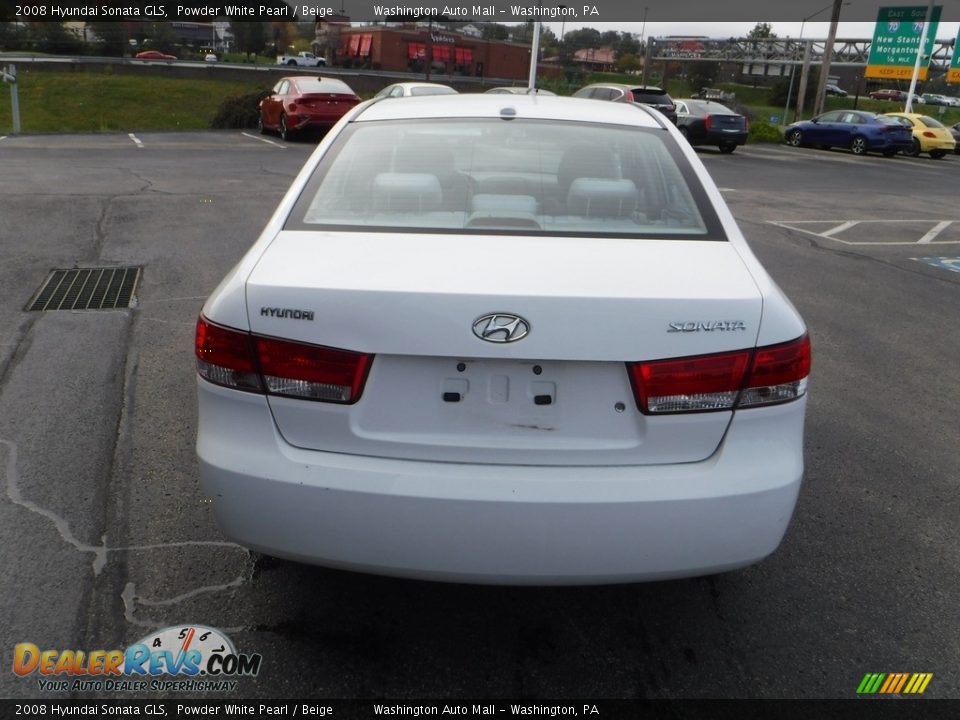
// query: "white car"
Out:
[414,89]
[496,339]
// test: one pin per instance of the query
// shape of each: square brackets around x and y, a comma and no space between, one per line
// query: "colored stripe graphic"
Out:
[894,683]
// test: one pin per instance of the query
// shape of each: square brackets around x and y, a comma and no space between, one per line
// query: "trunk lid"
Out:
[561,395]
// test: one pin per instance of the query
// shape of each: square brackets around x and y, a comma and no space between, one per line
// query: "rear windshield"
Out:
[930,122]
[324,85]
[428,90]
[517,177]
[651,96]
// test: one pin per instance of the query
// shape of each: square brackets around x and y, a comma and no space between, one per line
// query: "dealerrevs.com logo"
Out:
[199,658]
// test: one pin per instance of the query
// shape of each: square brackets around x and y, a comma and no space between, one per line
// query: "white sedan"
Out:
[414,89]
[498,339]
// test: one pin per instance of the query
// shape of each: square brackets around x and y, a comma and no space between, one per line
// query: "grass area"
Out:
[101,102]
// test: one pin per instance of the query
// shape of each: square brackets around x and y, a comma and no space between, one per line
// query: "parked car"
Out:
[414,372]
[644,95]
[928,135]
[955,131]
[858,130]
[935,99]
[303,102]
[835,90]
[518,91]
[888,94]
[154,55]
[210,58]
[410,89]
[704,122]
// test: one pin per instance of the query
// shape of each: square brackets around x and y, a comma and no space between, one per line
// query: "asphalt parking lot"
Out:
[105,536]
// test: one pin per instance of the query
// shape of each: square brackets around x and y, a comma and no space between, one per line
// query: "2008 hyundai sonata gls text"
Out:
[503,340]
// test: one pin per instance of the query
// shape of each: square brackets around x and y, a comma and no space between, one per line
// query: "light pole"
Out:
[793,67]
[646,55]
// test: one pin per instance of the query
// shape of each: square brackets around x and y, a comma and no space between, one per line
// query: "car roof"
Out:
[539,107]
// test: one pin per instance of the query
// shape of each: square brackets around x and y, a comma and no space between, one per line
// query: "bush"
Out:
[240,111]
[763,132]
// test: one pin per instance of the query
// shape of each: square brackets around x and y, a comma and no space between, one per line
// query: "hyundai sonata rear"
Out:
[490,339]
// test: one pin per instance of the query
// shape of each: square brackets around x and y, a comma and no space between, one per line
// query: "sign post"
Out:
[9,74]
[896,39]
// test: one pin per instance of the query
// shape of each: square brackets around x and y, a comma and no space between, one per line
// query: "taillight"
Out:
[746,123]
[240,360]
[723,381]
[225,357]
[929,134]
[707,122]
[310,371]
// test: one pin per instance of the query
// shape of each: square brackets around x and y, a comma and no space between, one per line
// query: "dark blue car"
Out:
[855,129]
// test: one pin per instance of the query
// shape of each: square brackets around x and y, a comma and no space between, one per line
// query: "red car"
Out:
[301,102]
[888,94]
[154,55]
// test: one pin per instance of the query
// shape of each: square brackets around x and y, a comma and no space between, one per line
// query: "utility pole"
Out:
[827,57]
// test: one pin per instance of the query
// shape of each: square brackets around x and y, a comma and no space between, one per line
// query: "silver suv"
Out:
[640,94]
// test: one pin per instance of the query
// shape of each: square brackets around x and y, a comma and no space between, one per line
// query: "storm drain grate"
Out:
[101,288]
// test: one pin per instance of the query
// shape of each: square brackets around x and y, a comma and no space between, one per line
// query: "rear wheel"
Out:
[795,138]
[260,128]
[684,132]
[858,146]
[937,154]
[728,147]
[291,62]
[285,132]
[913,150]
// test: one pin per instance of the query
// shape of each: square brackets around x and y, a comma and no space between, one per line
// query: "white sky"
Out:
[812,29]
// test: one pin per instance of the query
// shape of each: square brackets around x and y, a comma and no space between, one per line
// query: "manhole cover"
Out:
[101,288]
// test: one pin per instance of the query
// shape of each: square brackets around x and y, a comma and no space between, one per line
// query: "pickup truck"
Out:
[303,59]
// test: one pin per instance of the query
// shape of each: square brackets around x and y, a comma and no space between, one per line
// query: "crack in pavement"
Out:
[100,552]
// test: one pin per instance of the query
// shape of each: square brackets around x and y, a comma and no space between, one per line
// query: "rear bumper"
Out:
[500,524]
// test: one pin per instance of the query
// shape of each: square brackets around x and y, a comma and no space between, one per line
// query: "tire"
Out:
[292,63]
[728,148]
[795,138]
[260,128]
[913,150]
[286,134]
[684,132]
[937,154]
[858,146]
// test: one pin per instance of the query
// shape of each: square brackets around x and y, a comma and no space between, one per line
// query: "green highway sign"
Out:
[896,36]
[953,74]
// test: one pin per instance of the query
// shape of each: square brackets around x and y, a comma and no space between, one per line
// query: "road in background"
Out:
[105,536]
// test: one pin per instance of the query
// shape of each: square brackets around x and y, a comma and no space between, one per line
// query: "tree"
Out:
[495,31]
[628,62]
[761,31]
[702,73]
[250,37]
[109,38]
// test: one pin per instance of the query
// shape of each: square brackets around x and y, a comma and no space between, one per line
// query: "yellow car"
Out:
[929,135]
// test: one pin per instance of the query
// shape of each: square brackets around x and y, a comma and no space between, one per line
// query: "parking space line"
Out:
[136,140]
[936,230]
[927,239]
[840,228]
[266,140]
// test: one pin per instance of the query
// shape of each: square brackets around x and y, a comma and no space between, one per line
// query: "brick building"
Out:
[406,48]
